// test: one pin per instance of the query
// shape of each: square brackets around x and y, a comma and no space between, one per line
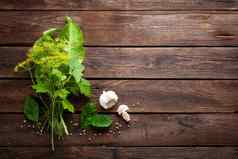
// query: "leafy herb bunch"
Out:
[55,65]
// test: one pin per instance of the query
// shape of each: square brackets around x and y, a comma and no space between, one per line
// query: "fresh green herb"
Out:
[89,117]
[101,121]
[31,109]
[55,65]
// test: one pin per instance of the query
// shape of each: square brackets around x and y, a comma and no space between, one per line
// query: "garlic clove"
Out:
[122,108]
[108,99]
[126,116]
[112,94]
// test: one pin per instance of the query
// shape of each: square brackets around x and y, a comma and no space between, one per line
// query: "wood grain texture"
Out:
[119,5]
[145,130]
[139,62]
[108,28]
[120,152]
[144,96]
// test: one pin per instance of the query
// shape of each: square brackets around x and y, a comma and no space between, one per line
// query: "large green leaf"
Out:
[72,33]
[101,121]
[41,87]
[76,69]
[74,37]
[61,93]
[68,106]
[31,109]
[89,117]
[88,111]
[56,75]
[85,87]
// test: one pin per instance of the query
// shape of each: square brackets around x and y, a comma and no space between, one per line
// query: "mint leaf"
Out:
[89,117]
[89,108]
[62,93]
[57,75]
[31,109]
[85,87]
[67,105]
[41,87]
[88,111]
[101,121]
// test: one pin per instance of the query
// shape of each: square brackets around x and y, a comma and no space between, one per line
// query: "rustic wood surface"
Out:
[140,62]
[144,130]
[174,62]
[112,152]
[121,152]
[127,28]
[119,5]
[148,96]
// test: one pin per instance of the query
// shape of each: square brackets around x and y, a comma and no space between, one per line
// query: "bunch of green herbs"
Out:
[55,65]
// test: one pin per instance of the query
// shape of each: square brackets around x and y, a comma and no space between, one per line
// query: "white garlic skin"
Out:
[122,110]
[126,116]
[108,99]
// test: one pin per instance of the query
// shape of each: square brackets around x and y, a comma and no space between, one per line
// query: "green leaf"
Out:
[89,117]
[74,37]
[85,87]
[101,121]
[38,73]
[57,75]
[31,109]
[62,93]
[67,105]
[76,69]
[78,73]
[47,36]
[88,111]
[89,108]
[76,53]
[41,87]
[72,33]
[73,87]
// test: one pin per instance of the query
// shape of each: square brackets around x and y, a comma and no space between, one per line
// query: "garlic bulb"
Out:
[108,99]
[122,110]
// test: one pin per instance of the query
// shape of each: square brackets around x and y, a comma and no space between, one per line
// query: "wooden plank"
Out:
[144,95]
[145,130]
[120,152]
[108,28]
[119,5]
[120,62]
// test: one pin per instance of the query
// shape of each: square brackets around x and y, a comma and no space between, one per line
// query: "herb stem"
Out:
[32,79]
[42,100]
[52,124]
[46,117]
[31,75]
[65,127]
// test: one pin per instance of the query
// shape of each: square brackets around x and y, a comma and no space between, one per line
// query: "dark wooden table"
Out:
[174,62]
